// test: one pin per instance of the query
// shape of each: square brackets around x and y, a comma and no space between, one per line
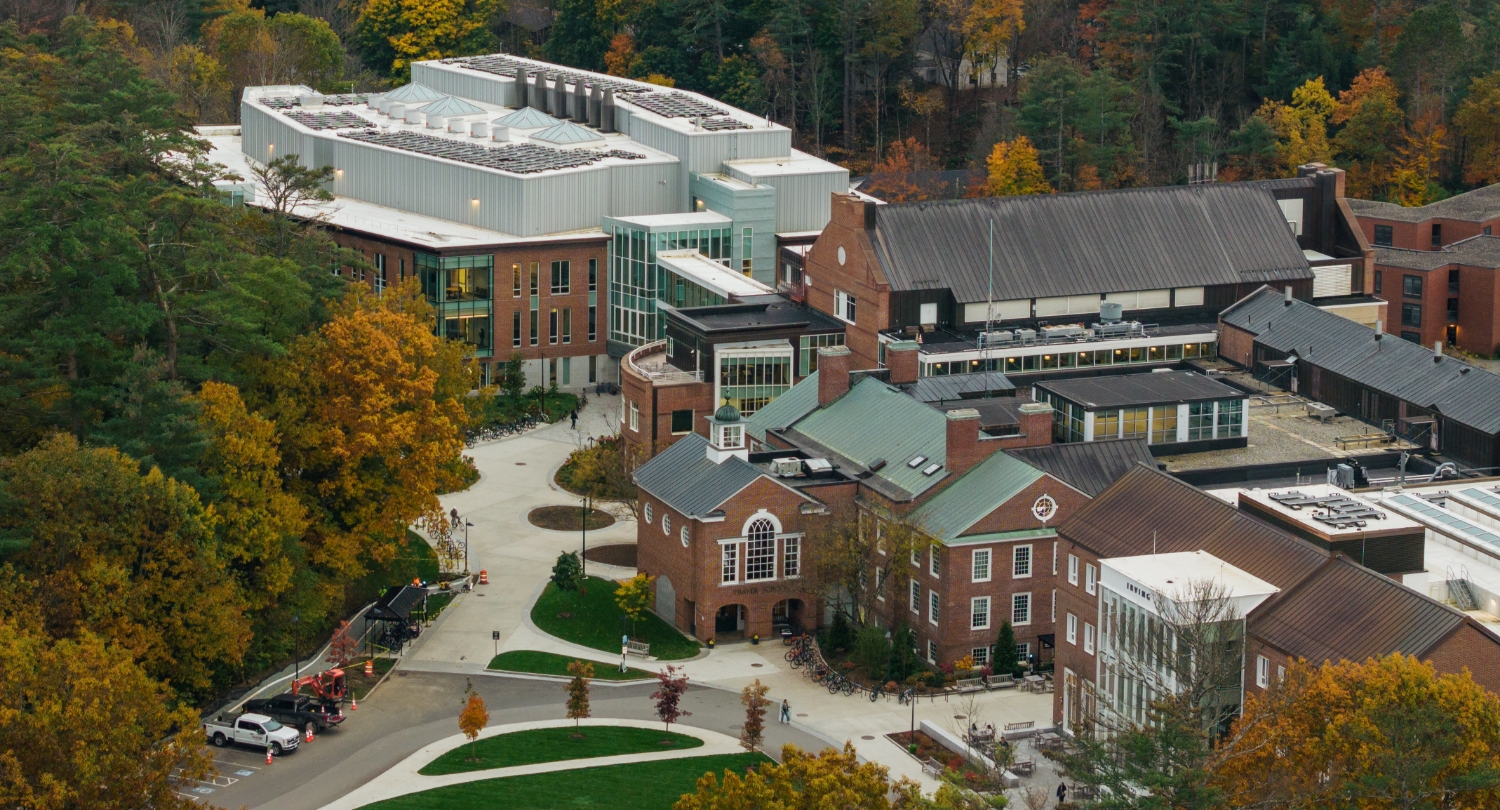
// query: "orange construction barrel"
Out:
[484,577]
[370,668]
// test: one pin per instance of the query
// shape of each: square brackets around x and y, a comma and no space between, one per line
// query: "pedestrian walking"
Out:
[575,418]
[786,711]
[1062,793]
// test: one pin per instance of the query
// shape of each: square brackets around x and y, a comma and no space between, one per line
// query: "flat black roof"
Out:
[1134,390]
[752,313]
[947,340]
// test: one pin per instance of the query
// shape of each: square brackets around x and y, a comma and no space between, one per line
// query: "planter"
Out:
[710,644]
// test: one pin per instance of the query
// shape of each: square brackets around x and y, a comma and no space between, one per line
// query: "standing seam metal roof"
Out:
[1089,242]
[1089,467]
[976,493]
[683,477]
[943,389]
[784,411]
[873,420]
[1390,365]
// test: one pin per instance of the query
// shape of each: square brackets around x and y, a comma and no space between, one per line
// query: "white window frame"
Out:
[880,538]
[1016,600]
[648,513]
[931,651]
[1091,578]
[1053,616]
[1262,671]
[791,557]
[916,557]
[880,577]
[1088,638]
[933,566]
[1054,558]
[975,566]
[975,605]
[759,543]
[981,656]
[1072,629]
[845,306]
[1072,569]
[666,524]
[729,564]
[933,607]
[1280,674]
[635,417]
[916,597]
[1016,562]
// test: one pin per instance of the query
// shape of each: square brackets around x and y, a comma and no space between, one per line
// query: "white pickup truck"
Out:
[252,729]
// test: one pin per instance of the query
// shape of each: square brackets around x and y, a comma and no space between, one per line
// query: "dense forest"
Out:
[1405,94]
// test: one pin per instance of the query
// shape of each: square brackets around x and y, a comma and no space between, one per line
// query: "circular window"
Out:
[843,257]
[684,535]
[648,513]
[666,524]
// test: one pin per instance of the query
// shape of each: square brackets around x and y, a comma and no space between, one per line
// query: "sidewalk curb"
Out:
[703,651]
[532,676]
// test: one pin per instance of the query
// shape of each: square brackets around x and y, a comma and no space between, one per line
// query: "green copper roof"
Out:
[412,92]
[875,421]
[450,106]
[527,118]
[785,410]
[566,132]
[974,495]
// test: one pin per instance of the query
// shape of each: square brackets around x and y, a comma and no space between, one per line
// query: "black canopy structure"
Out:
[397,604]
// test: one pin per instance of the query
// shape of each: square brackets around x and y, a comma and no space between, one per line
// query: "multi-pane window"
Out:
[1020,563]
[916,597]
[933,564]
[535,276]
[1134,422]
[1411,286]
[552,327]
[979,613]
[760,552]
[1020,608]
[981,565]
[1067,422]
[1164,424]
[593,323]
[567,325]
[1200,421]
[729,564]
[916,559]
[458,288]
[635,417]
[648,513]
[750,383]
[1072,569]
[562,281]
[532,320]
[931,651]
[1262,671]
[1384,236]
[515,285]
[981,656]
[1411,314]
[1107,425]
[843,305]
[1379,279]
[1231,418]
[807,350]
[791,558]
[745,251]
[1088,638]
[932,607]
[1072,629]
[1092,579]
[379,273]
[515,328]
[593,275]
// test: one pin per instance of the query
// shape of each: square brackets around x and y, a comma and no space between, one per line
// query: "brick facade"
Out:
[1075,655]
[858,275]
[648,407]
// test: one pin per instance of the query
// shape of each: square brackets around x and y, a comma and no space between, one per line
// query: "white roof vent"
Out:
[818,465]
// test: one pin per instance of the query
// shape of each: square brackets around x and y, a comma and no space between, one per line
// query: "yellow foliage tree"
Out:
[81,725]
[407,31]
[1015,170]
[802,781]
[371,411]
[258,521]
[472,720]
[1415,178]
[1478,121]
[128,555]
[634,596]
[1301,127]
[989,29]
[1388,733]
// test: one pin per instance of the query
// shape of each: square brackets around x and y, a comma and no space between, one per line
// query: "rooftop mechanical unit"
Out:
[786,467]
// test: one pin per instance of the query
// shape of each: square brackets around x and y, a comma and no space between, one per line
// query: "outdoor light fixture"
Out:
[474,202]
[339,173]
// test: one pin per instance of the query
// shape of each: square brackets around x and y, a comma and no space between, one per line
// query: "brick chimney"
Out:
[963,449]
[833,373]
[1036,424]
[901,359]
[850,211]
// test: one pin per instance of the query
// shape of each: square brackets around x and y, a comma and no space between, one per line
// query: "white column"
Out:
[1088,426]
[1182,423]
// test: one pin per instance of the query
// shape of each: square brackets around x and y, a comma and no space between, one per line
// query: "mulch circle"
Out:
[757,665]
[668,742]
[620,554]
[568,518]
[565,615]
[520,464]
[866,737]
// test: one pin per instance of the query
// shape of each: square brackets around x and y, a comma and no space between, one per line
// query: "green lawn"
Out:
[555,745]
[596,621]
[643,786]
[545,663]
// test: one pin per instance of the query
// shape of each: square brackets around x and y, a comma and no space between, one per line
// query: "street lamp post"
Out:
[467,524]
[583,523]
[296,650]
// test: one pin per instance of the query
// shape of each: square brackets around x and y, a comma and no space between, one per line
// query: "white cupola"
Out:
[726,435]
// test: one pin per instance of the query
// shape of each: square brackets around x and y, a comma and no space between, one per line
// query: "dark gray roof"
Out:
[1392,366]
[1089,467]
[1477,251]
[1345,611]
[756,312]
[1472,206]
[683,477]
[1128,390]
[941,389]
[1089,242]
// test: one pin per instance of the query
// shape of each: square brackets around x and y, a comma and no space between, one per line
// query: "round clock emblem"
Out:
[1044,509]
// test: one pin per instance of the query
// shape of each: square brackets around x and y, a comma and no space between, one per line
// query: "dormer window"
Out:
[731,437]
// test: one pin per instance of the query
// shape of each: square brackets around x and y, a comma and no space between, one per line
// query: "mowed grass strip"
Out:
[556,745]
[594,620]
[536,662]
[640,786]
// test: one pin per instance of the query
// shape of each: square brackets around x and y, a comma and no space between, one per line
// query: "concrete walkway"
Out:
[516,477]
[405,778]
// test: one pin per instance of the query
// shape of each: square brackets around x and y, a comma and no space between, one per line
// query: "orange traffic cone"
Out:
[353,703]
[309,734]
[268,756]
[370,668]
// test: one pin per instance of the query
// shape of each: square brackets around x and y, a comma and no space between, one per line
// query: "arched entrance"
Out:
[729,622]
[790,614]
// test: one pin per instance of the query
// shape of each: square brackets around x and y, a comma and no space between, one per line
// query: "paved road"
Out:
[412,709]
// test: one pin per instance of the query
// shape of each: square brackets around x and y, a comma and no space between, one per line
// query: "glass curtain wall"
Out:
[750,383]
[637,281]
[459,288]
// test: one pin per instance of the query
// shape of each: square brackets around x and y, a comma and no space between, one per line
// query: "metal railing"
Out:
[664,376]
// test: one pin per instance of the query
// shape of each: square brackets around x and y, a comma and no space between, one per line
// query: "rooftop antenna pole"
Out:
[1153,542]
[989,313]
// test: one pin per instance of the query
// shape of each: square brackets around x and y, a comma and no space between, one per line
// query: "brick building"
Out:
[1075,283]
[1438,277]
[1308,602]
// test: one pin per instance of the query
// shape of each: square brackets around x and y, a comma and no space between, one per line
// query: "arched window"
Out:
[666,523]
[760,550]
[648,513]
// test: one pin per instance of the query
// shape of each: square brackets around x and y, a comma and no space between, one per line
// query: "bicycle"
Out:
[906,697]
[876,693]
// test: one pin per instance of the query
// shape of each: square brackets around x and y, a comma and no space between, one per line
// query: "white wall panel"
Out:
[1012,310]
[1188,297]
